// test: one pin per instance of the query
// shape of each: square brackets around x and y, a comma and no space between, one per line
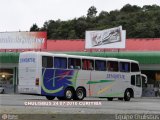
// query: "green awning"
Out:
[142,57]
[9,57]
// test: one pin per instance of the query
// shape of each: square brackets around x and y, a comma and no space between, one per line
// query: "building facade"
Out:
[146,51]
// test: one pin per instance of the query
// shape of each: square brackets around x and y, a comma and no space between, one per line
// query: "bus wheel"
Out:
[127,95]
[80,94]
[120,99]
[60,98]
[2,91]
[110,99]
[68,94]
[50,97]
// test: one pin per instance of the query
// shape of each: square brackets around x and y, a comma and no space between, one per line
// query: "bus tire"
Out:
[80,94]
[2,91]
[68,94]
[50,97]
[120,99]
[110,99]
[127,95]
[60,98]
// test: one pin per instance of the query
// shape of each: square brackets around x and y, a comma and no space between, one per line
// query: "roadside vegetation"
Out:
[139,22]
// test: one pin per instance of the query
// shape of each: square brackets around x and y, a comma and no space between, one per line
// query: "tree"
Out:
[34,27]
[103,14]
[81,26]
[130,8]
[150,7]
[92,11]
[72,35]
[139,22]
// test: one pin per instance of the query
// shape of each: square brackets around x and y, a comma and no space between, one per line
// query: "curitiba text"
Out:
[62,103]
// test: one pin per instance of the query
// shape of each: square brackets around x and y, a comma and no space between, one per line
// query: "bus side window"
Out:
[47,61]
[124,67]
[112,66]
[74,63]
[133,80]
[100,65]
[138,81]
[87,64]
[134,67]
[60,62]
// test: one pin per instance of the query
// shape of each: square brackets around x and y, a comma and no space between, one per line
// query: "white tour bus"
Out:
[75,77]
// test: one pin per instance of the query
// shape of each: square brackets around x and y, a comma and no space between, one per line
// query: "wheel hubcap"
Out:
[80,94]
[68,94]
[128,94]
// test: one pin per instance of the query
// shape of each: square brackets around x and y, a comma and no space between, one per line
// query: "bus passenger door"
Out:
[136,81]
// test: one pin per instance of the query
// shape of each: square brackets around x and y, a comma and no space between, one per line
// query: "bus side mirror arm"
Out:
[146,80]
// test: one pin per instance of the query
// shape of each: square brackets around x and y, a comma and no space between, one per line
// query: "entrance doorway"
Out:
[7,80]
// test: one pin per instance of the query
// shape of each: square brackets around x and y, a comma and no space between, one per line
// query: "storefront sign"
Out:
[23,40]
[108,38]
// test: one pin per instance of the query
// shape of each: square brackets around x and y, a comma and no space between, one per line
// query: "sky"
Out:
[20,15]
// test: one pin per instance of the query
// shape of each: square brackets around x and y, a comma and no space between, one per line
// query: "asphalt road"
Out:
[94,107]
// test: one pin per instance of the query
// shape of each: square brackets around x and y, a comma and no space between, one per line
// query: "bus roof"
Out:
[78,56]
